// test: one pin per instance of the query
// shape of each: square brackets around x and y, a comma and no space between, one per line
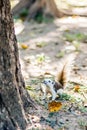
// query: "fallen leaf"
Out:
[29,88]
[47,73]
[60,54]
[54,106]
[41,44]
[74,16]
[24,46]
[76,88]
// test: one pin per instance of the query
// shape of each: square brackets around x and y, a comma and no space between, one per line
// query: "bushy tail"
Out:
[65,67]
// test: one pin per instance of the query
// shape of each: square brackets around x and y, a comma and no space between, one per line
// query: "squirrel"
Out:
[58,85]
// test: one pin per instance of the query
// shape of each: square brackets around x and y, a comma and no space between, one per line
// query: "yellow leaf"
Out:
[24,46]
[74,16]
[76,88]
[54,106]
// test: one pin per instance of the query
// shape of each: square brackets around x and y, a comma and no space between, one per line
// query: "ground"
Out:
[41,47]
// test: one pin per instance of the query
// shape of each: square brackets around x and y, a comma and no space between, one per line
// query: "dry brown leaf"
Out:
[54,106]
[76,88]
[47,73]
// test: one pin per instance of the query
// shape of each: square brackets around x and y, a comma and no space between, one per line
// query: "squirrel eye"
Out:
[49,81]
[52,82]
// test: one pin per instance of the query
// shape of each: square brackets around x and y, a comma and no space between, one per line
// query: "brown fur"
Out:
[57,86]
[65,68]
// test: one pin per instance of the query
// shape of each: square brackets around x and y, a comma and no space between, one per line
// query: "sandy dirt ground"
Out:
[47,44]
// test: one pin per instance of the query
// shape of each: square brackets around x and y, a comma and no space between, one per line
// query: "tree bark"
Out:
[49,7]
[52,8]
[13,96]
[22,4]
[34,6]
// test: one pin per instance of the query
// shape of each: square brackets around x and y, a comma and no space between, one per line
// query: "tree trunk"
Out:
[22,4]
[34,6]
[13,96]
[49,7]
